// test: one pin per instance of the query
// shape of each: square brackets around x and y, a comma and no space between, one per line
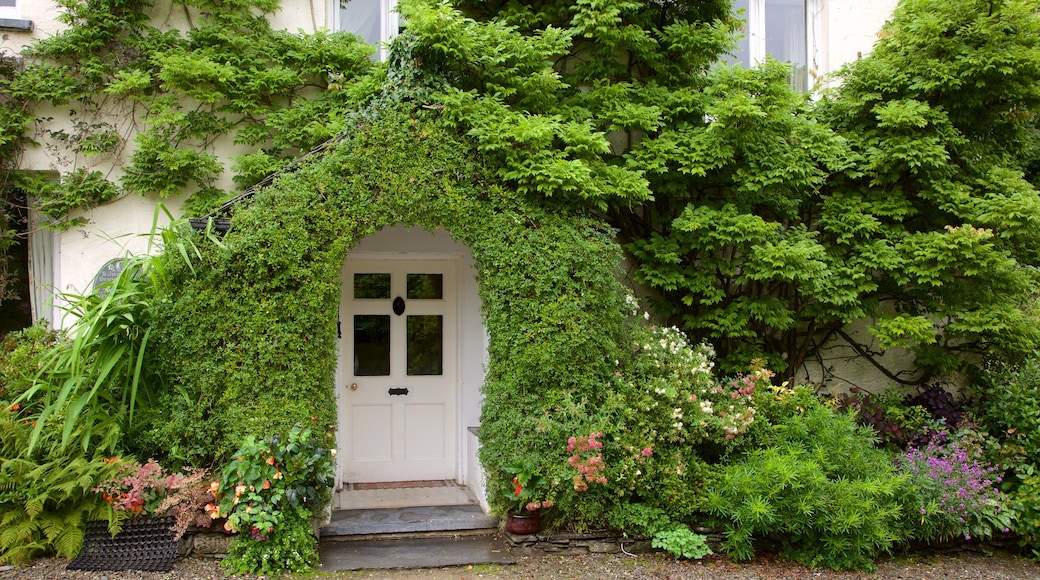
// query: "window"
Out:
[782,29]
[376,21]
[9,9]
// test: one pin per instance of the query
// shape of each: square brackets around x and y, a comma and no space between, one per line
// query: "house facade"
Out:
[412,347]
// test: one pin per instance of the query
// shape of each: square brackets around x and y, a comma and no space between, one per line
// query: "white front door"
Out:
[398,406]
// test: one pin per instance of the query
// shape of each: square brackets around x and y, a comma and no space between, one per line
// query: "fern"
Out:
[45,496]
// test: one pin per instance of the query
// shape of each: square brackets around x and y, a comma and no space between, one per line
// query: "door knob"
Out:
[353,386]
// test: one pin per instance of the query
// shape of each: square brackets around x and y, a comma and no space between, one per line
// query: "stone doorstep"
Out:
[408,520]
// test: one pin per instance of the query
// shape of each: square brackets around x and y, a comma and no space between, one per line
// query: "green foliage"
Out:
[45,495]
[682,542]
[819,488]
[775,223]
[100,371]
[269,478]
[1006,402]
[21,359]
[290,548]
[1027,505]
[225,74]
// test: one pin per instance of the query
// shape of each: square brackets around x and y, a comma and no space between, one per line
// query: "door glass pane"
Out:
[371,345]
[372,286]
[425,345]
[425,286]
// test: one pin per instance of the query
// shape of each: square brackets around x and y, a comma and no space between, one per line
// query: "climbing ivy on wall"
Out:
[249,345]
[156,89]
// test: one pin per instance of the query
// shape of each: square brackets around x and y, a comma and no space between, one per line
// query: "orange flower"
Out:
[214,486]
[267,484]
[270,460]
[110,459]
[519,488]
[15,407]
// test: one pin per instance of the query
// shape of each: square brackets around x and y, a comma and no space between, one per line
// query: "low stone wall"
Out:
[204,543]
[592,543]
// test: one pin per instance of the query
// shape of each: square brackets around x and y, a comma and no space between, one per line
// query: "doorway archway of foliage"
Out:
[249,343]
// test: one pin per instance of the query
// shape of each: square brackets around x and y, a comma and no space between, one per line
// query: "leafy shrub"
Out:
[101,369]
[820,488]
[21,358]
[148,489]
[682,542]
[45,495]
[1026,501]
[896,421]
[663,419]
[1006,402]
[268,494]
[953,492]
[289,548]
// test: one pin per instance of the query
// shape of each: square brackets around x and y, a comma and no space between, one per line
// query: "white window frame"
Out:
[389,23]
[756,34]
[11,12]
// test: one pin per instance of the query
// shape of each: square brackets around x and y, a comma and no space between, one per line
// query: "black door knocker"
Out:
[398,306]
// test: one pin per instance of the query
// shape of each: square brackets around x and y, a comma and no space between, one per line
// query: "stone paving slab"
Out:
[408,520]
[423,552]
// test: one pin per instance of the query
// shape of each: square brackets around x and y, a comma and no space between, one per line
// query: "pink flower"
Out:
[647,452]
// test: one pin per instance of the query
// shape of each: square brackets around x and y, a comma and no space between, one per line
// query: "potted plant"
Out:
[150,510]
[526,495]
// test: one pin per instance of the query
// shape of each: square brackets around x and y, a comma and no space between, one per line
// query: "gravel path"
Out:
[959,566]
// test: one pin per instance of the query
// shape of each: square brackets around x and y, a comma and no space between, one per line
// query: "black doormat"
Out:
[146,545]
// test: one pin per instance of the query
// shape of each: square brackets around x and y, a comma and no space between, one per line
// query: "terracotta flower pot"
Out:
[523,524]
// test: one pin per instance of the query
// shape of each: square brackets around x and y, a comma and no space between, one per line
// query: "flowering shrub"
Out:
[643,450]
[268,490]
[588,460]
[148,489]
[954,492]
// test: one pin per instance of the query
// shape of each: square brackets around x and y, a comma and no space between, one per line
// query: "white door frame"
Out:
[393,403]
[413,243]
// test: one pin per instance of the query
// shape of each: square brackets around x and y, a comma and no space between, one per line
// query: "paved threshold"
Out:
[422,552]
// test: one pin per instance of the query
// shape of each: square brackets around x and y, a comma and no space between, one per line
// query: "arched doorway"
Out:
[411,360]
